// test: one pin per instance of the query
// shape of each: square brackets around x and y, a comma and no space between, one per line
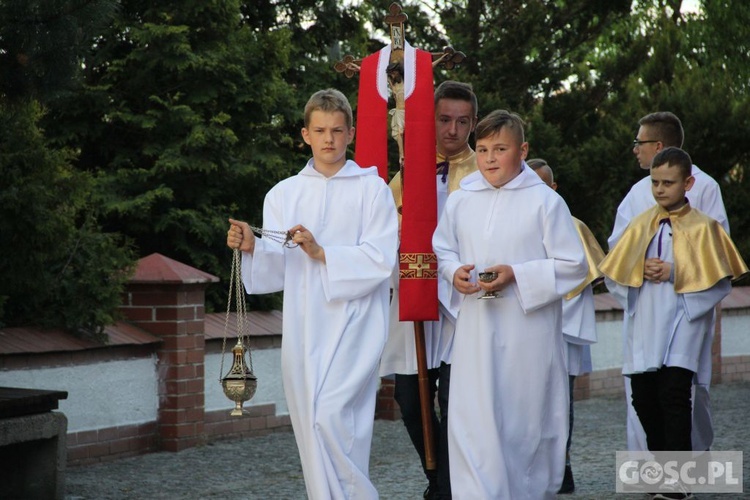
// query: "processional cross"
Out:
[404,72]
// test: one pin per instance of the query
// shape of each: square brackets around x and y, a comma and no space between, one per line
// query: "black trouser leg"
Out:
[406,393]
[662,400]
[444,476]
[571,384]
[645,397]
[676,392]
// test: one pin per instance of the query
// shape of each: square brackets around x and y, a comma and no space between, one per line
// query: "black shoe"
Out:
[430,491]
[674,496]
[568,486]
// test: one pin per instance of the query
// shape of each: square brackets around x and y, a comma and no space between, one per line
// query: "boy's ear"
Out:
[351,135]
[689,182]
[305,135]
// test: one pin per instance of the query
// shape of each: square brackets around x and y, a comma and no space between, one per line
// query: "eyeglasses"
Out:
[637,143]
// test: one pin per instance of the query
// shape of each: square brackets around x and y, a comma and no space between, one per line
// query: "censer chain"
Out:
[236,288]
[283,237]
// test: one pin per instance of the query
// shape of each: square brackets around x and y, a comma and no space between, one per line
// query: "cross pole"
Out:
[448,59]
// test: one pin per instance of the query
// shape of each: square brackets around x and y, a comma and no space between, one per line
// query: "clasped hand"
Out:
[656,270]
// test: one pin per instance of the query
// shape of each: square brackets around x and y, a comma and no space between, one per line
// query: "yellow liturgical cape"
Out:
[703,252]
[594,255]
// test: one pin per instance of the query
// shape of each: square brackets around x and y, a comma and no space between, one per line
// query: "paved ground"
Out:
[268,467]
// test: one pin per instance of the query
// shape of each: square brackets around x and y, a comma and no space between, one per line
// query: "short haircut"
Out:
[674,157]
[496,121]
[666,126]
[329,101]
[451,89]
[541,164]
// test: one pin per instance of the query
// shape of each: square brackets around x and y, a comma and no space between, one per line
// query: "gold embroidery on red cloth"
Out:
[417,266]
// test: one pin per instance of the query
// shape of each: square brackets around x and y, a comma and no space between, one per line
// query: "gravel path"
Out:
[268,467]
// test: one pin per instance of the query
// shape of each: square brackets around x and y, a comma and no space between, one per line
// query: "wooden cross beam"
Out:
[448,58]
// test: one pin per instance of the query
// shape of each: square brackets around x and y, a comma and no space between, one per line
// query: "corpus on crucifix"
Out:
[404,75]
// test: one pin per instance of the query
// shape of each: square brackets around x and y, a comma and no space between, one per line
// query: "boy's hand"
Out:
[240,236]
[306,241]
[505,276]
[666,271]
[462,280]
[653,270]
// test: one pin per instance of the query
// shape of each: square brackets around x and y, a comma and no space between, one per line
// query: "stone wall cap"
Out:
[32,340]
[156,268]
[738,298]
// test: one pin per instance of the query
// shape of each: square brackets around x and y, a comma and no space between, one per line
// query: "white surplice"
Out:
[666,328]
[579,331]
[705,195]
[334,318]
[508,405]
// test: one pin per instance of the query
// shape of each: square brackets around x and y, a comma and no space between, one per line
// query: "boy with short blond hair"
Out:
[508,405]
[343,219]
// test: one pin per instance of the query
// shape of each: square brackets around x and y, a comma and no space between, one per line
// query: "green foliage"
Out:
[41,43]
[175,115]
[582,74]
[58,269]
[191,111]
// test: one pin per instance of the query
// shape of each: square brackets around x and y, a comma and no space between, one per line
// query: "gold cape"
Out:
[460,166]
[703,253]
[594,255]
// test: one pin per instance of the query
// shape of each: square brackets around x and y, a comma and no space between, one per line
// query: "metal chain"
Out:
[236,288]
[283,237]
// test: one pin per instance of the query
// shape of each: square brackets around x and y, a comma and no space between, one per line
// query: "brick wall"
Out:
[166,298]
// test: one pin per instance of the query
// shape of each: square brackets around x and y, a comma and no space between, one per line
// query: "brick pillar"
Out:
[386,407]
[167,298]
[716,349]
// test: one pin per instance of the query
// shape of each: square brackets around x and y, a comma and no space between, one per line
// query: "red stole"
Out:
[418,297]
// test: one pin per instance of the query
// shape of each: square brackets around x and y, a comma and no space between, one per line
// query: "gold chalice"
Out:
[488,277]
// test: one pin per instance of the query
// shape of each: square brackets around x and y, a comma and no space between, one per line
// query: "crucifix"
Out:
[349,66]
[406,74]
[395,19]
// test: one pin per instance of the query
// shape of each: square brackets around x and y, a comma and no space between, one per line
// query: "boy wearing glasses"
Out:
[658,131]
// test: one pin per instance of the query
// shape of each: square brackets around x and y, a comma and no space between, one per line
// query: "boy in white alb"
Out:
[508,405]
[335,297]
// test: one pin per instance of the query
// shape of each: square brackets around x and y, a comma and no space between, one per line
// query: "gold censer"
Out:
[239,383]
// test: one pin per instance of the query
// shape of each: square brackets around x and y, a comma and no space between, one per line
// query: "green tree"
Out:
[582,74]
[58,268]
[193,110]
[42,42]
